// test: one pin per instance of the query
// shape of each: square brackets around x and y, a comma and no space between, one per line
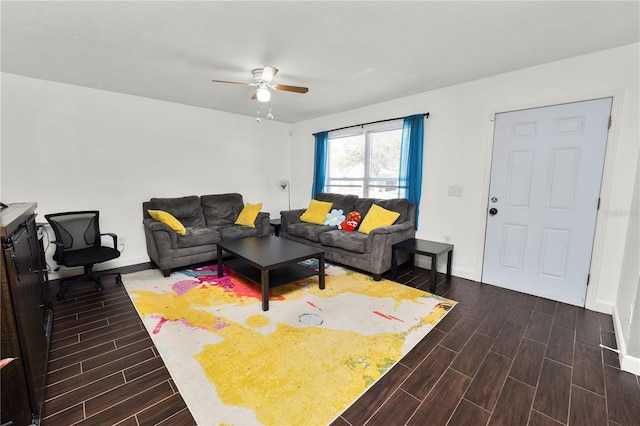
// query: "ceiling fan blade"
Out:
[255,95]
[232,82]
[268,72]
[286,88]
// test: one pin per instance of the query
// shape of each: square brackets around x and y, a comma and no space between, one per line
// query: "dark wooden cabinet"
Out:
[25,315]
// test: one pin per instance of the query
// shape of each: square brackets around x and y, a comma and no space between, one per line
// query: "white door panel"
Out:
[545,184]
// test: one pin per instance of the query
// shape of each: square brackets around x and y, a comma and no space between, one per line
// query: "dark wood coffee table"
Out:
[270,261]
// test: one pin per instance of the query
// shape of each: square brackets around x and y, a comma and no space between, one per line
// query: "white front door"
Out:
[543,199]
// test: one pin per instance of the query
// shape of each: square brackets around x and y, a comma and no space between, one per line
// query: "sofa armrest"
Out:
[400,227]
[381,239]
[154,225]
[287,218]
[162,233]
[263,223]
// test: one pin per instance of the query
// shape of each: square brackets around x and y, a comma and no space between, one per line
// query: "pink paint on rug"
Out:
[181,287]
[159,325]
[315,306]
[389,317]
[207,277]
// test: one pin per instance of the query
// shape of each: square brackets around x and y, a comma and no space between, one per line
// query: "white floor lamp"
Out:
[284,184]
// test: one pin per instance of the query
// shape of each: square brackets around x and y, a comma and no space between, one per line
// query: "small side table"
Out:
[433,249]
[275,222]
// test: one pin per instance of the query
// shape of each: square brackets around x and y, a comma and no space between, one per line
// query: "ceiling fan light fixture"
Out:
[263,94]
[262,78]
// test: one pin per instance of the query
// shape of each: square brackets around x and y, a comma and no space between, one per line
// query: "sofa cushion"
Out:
[198,236]
[316,212]
[186,209]
[308,231]
[235,232]
[350,241]
[362,205]
[377,217]
[221,209]
[168,220]
[344,202]
[400,205]
[248,215]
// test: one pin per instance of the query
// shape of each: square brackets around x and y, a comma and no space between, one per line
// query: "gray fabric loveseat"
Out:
[207,219]
[368,252]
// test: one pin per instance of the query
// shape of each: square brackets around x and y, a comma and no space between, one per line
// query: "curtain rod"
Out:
[426,114]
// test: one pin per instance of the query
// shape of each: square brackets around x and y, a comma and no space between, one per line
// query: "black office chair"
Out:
[78,243]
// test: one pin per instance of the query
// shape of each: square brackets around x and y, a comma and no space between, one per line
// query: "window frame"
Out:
[366,180]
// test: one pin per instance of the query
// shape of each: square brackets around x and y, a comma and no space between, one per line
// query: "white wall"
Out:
[626,313]
[458,144]
[70,148]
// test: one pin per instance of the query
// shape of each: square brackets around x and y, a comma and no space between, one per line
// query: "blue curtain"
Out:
[320,166]
[411,159]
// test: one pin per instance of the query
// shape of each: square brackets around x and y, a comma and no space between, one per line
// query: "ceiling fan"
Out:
[262,78]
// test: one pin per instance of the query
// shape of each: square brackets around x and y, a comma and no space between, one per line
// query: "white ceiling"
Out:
[349,54]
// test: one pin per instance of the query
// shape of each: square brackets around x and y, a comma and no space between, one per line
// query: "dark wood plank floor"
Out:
[103,366]
[498,358]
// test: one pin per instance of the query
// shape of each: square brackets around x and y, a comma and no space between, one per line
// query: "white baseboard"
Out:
[598,306]
[425,262]
[628,363]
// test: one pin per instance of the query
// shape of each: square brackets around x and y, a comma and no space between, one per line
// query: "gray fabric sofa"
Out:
[208,219]
[367,252]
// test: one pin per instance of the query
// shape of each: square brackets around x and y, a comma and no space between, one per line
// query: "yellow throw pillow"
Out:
[377,217]
[316,212]
[248,215]
[168,219]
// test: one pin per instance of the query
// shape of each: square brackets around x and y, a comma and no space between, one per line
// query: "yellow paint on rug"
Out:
[257,321]
[365,285]
[247,368]
[173,308]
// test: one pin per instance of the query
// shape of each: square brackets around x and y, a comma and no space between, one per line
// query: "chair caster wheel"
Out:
[119,279]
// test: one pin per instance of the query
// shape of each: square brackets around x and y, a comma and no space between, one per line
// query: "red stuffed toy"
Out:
[351,222]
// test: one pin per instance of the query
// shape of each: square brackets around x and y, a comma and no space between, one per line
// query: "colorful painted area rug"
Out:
[303,362]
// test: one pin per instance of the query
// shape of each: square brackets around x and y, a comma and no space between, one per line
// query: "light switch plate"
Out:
[455,191]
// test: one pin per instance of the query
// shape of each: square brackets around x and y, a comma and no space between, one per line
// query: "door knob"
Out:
[493,211]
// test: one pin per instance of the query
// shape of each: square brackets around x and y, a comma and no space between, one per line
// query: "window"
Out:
[365,161]
[383,160]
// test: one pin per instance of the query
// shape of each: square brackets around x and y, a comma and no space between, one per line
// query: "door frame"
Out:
[591,300]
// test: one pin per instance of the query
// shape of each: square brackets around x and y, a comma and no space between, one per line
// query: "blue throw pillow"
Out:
[334,218]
